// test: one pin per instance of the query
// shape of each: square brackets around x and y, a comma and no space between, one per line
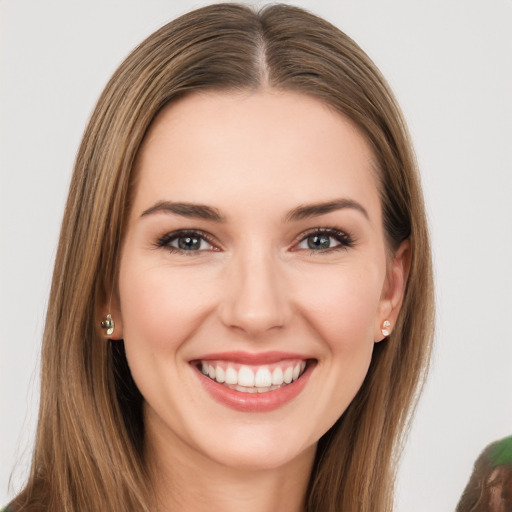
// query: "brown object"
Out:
[490,487]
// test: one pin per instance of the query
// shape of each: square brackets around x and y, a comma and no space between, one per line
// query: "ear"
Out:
[114,310]
[393,290]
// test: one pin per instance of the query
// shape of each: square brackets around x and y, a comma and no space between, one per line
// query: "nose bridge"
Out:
[255,296]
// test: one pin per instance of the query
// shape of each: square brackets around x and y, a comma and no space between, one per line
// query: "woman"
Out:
[241,310]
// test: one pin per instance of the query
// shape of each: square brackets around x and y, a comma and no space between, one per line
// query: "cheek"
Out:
[340,308]
[341,305]
[159,306]
[161,309]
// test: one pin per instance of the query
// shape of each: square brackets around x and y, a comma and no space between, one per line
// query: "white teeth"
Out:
[246,377]
[247,380]
[245,389]
[277,377]
[220,375]
[263,378]
[288,375]
[231,376]
[251,390]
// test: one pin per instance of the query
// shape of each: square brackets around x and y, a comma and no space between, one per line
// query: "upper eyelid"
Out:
[324,231]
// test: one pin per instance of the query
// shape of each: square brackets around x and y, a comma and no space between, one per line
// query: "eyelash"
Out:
[344,239]
[165,241]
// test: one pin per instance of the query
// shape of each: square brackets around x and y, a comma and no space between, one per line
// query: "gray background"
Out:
[450,64]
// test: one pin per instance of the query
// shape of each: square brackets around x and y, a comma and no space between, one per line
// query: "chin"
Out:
[260,456]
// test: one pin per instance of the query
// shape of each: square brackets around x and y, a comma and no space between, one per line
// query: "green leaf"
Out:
[501,453]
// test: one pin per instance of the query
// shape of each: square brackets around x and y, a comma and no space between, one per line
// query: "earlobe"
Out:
[111,328]
[393,291]
[111,321]
[108,324]
[386,326]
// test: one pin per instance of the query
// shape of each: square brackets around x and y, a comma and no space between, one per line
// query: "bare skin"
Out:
[179,485]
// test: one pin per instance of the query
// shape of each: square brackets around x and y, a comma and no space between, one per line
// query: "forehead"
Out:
[268,144]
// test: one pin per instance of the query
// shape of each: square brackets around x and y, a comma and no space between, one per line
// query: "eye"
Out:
[322,240]
[186,241]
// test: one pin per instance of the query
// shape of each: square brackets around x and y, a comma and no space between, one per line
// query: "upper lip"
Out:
[251,358]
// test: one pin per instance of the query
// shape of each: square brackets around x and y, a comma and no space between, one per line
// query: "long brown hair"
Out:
[88,453]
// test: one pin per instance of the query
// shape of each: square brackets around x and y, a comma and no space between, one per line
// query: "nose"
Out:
[254,299]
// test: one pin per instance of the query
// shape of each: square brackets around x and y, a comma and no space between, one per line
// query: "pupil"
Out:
[318,242]
[189,243]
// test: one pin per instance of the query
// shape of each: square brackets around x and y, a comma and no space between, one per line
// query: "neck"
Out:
[191,482]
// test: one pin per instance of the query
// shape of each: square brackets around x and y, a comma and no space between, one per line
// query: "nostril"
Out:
[253,318]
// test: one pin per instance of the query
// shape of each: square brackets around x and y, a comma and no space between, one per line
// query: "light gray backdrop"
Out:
[450,64]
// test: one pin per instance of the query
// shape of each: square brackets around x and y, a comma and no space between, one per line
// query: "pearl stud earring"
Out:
[385,328]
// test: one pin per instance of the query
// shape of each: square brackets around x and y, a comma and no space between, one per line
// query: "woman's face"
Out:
[253,279]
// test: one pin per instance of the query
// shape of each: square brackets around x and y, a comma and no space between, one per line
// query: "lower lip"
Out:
[255,402]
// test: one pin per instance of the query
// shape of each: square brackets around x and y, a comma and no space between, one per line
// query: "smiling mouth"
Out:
[253,378]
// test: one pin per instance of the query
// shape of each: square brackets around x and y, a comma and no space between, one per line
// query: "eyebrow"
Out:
[192,210]
[201,211]
[314,210]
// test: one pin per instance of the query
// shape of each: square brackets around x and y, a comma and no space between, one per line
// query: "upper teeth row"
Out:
[263,377]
